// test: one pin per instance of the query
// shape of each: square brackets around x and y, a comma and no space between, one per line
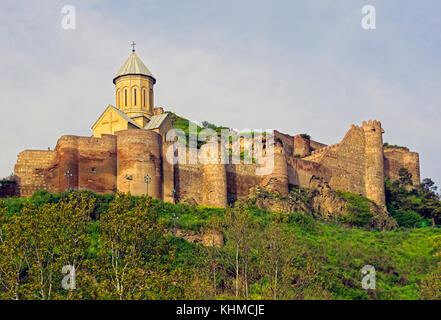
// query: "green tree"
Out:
[72,218]
[38,246]
[213,253]
[288,270]
[428,186]
[12,262]
[38,242]
[405,177]
[431,209]
[358,211]
[130,238]
[277,252]
[237,229]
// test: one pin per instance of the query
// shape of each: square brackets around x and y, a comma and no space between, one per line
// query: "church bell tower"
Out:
[134,89]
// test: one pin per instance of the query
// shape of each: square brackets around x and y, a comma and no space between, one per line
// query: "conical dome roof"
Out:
[133,65]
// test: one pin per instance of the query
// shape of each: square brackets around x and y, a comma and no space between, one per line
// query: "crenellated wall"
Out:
[357,164]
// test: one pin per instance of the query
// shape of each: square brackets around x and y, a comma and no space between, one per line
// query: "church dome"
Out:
[134,66]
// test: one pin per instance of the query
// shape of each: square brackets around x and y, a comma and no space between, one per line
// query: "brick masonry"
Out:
[357,164]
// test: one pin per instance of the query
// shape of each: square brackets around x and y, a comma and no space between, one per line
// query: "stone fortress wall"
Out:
[397,158]
[139,157]
[121,162]
[29,171]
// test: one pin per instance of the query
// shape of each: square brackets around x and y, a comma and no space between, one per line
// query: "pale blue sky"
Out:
[296,66]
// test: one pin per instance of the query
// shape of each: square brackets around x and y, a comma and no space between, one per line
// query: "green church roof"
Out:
[134,65]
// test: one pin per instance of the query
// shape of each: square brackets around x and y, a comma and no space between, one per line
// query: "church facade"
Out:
[134,102]
[128,148]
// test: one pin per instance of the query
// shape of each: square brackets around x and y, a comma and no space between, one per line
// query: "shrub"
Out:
[358,210]
[387,145]
[305,222]
[407,219]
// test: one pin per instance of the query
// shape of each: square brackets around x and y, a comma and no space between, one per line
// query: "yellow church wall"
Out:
[109,123]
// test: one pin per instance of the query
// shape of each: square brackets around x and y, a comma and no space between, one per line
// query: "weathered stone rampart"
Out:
[301,172]
[302,146]
[188,183]
[129,159]
[240,179]
[397,158]
[374,176]
[30,171]
[344,162]
[214,176]
[139,162]
[277,180]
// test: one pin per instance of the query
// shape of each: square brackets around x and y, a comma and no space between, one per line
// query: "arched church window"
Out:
[125,97]
[151,98]
[143,98]
[134,96]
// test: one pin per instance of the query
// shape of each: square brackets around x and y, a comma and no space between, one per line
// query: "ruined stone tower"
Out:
[214,177]
[374,178]
[277,181]
[302,146]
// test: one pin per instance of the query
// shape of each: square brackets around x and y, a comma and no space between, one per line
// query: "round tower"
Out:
[134,89]
[214,176]
[139,164]
[67,151]
[374,177]
[277,180]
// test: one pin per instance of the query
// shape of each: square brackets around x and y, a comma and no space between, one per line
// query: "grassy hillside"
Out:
[124,249]
[183,124]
